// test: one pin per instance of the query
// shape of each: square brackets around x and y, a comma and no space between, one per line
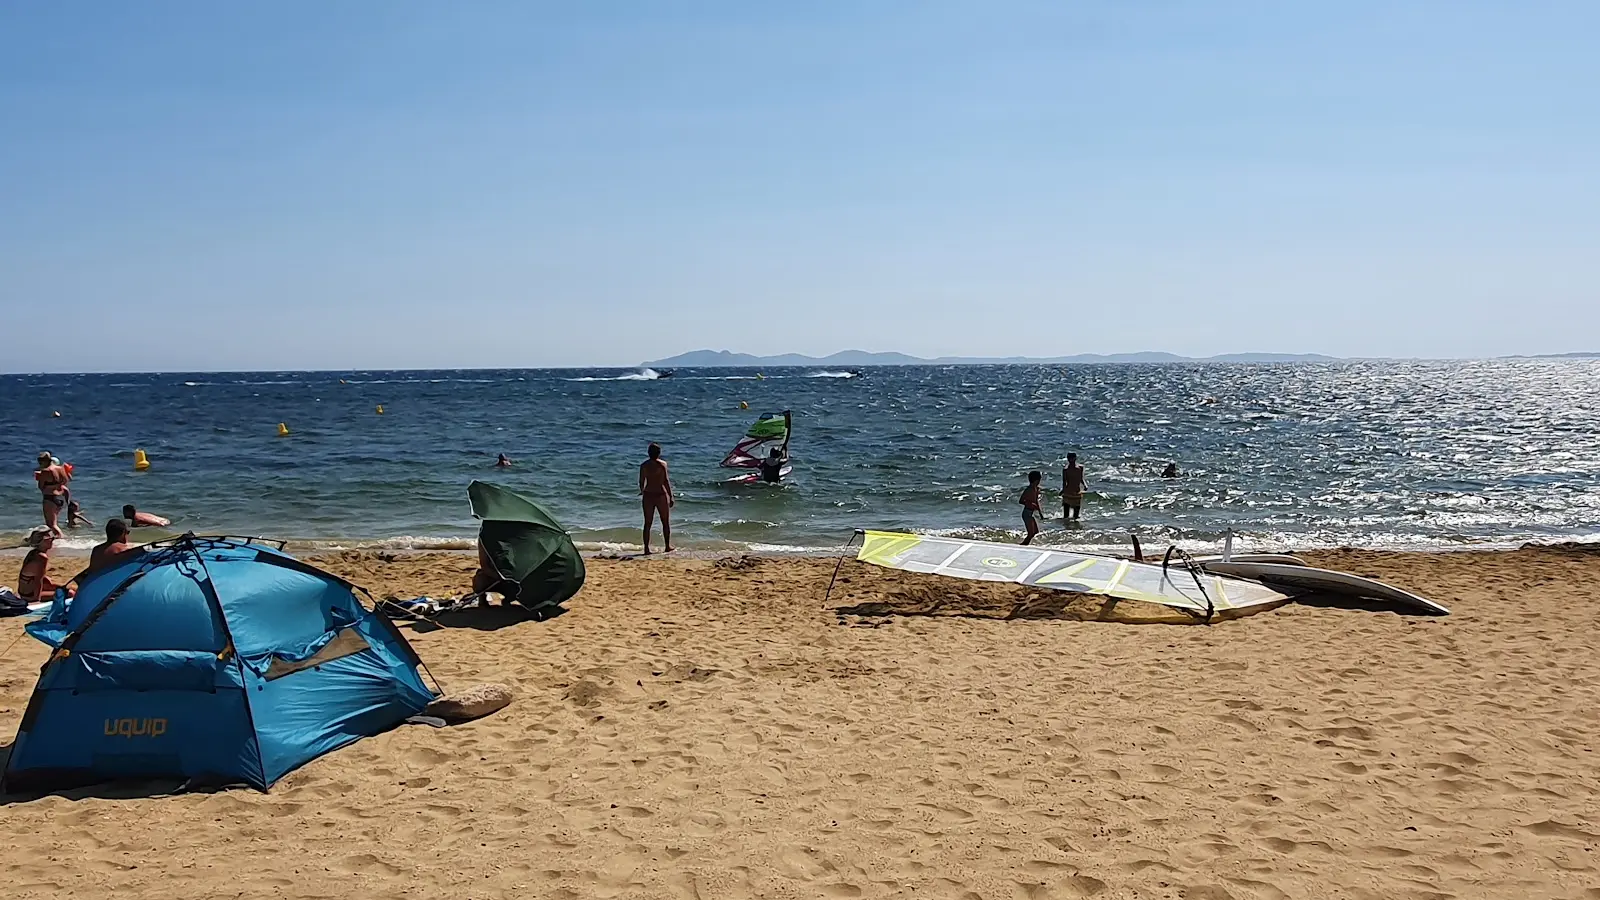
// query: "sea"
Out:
[1404,455]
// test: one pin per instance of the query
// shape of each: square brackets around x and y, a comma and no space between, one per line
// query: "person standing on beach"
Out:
[655,488]
[1072,484]
[1030,506]
[52,477]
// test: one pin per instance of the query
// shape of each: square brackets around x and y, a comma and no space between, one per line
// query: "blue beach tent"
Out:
[211,659]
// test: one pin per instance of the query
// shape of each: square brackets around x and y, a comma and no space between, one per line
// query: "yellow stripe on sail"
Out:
[882,547]
[1066,574]
[1222,594]
[1122,570]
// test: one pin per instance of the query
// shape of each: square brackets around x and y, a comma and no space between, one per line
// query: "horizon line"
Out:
[996,361]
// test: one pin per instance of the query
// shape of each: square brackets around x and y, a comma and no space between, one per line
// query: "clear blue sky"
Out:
[199,185]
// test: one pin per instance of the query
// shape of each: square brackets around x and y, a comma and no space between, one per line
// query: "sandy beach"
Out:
[710,729]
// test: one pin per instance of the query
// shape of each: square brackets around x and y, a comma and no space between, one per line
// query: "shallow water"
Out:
[1379,454]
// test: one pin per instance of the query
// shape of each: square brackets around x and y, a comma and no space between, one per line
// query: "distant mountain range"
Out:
[725,359]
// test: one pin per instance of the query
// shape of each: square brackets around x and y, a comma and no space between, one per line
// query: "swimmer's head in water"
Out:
[128,512]
[116,530]
[654,450]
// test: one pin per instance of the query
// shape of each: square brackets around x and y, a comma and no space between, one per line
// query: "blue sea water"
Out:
[1378,454]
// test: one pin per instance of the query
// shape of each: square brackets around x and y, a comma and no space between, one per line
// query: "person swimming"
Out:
[137,519]
[1171,471]
[503,462]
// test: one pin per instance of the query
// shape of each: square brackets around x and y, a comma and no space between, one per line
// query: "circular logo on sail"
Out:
[998,562]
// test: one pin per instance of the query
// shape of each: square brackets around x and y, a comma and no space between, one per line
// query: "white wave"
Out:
[646,374]
[832,374]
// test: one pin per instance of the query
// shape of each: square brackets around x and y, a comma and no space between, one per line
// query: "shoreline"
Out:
[78,545]
[315,549]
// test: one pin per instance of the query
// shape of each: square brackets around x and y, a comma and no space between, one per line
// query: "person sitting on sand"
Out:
[115,546]
[504,462]
[655,489]
[487,575]
[1030,507]
[52,477]
[33,579]
[136,519]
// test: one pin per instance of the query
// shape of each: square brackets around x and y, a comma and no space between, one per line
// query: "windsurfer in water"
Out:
[1030,506]
[772,467]
[655,489]
[1072,485]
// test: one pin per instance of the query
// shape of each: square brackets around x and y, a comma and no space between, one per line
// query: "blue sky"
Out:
[201,185]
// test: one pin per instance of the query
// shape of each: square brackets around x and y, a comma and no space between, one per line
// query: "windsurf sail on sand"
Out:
[768,431]
[1195,592]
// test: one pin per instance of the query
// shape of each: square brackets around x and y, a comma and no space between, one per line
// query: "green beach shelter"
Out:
[530,551]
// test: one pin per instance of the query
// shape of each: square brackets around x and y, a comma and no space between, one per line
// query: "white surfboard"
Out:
[1306,578]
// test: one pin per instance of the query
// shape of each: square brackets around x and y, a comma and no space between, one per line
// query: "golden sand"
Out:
[711,730]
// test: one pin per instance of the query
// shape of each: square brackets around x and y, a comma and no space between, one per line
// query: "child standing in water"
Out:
[655,488]
[1030,506]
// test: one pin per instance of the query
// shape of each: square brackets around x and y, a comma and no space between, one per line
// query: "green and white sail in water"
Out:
[1198,593]
[767,432]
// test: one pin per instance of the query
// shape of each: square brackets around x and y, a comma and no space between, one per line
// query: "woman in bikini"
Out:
[53,478]
[33,579]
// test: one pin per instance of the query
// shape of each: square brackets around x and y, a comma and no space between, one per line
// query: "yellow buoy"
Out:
[283,430]
[743,405]
[140,461]
[380,409]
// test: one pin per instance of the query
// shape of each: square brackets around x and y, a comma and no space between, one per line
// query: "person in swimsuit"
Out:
[33,579]
[75,516]
[1072,485]
[1030,506]
[655,488]
[504,462]
[52,477]
[772,467]
[116,544]
[136,519]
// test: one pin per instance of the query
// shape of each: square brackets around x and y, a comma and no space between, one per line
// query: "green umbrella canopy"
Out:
[529,549]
